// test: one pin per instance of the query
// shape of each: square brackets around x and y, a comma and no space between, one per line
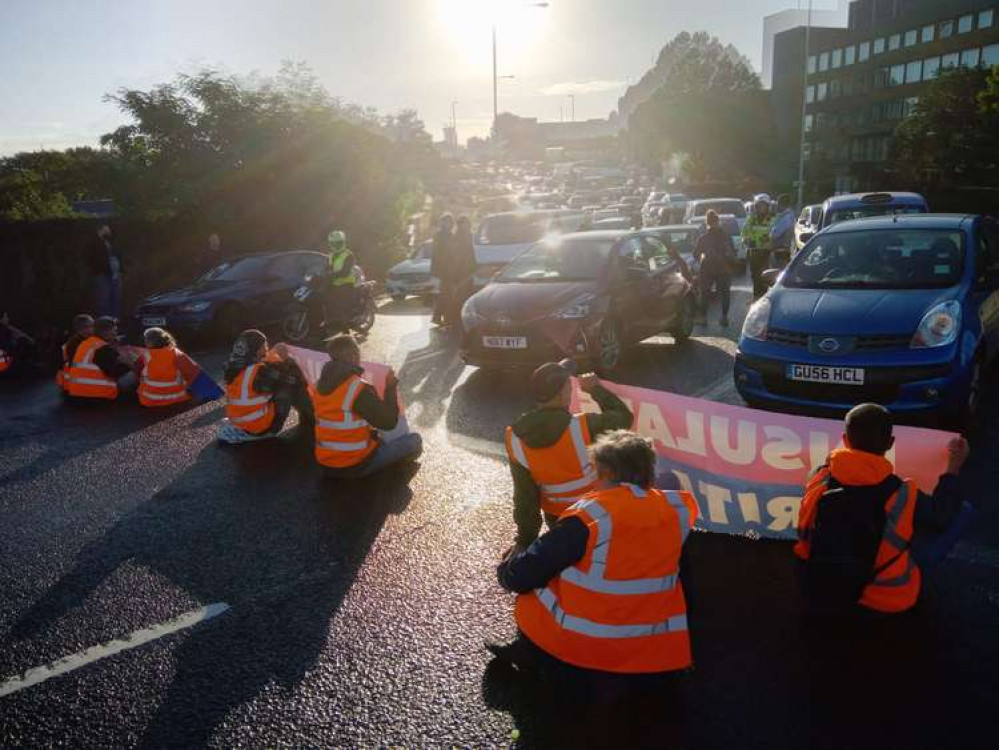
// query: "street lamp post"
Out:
[496,76]
[804,110]
[454,121]
[572,102]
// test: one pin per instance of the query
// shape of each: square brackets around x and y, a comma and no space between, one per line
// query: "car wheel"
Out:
[608,354]
[228,323]
[684,328]
[295,326]
[398,297]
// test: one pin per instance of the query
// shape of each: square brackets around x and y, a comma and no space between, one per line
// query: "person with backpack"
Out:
[865,534]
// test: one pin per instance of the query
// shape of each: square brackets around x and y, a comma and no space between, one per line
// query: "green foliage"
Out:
[706,90]
[950,138]
[24,196]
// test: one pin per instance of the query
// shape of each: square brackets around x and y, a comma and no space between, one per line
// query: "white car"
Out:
[807,225]
[502,237]
[730,224]
[721,206]
[412,276]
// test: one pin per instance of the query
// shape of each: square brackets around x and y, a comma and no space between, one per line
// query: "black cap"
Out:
[248,343]
[105,324]
[548,380]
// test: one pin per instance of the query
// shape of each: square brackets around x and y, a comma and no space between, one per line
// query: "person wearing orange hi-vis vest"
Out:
[601,591]
[547,446]
[165,372]
[96,370]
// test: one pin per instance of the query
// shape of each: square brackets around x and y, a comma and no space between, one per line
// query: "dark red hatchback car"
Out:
[585,296]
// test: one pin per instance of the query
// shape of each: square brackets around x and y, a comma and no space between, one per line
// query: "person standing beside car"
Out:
[465,266]
[211,255]
[442,268]
[108,271]
[716,254]
[756,234]
[340,296]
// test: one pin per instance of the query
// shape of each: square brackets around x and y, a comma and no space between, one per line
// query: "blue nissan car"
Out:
[902,311]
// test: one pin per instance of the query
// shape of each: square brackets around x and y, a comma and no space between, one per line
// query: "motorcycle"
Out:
[305,316]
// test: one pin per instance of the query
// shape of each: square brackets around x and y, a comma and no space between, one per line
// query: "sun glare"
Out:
[467,25]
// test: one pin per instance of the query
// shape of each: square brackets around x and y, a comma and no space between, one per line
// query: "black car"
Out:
[247,291]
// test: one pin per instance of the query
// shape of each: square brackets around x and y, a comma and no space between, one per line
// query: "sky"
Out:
[59,58]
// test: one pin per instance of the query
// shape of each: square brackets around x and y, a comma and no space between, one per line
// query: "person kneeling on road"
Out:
[261,386]
[865,534]
[17,349]
[96,370]
[165,371]
[349,414]
[602,590]
[547,447]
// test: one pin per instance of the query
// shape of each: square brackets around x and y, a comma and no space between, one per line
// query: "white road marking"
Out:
[96,653]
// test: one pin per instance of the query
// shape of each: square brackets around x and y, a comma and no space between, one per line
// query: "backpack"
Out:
[849,525]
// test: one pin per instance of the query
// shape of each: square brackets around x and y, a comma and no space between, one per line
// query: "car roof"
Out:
[850,199]
[599,234]
[904,221]
[670,228]
[713,200]
[275,254]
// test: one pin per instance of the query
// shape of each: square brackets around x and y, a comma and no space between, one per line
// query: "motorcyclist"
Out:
[340,296]
[756,234]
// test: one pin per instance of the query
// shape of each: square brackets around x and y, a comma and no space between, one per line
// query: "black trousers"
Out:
[759,261]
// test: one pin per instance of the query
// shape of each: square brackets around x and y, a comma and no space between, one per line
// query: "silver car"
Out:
[412,276]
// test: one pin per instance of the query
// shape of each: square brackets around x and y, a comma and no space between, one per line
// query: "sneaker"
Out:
[232,435]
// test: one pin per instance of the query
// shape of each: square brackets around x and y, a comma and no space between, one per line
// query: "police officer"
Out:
[340,296]
[756,234]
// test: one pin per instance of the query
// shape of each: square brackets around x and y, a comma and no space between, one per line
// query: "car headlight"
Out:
[757,319]
[939,327]
[469,317]
[578,310]
[194,307]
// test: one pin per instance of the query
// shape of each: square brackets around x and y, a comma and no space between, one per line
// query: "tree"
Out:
[710,107]
[950,138]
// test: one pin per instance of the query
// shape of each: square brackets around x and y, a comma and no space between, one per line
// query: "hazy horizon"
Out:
[62,56]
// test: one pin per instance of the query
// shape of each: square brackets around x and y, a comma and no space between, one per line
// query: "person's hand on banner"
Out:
[391,379]
[958,451]
[588,382]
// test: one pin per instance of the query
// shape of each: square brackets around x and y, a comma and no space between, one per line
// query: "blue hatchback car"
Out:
[902,311]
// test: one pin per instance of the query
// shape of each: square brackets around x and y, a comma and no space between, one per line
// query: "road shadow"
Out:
[428,376]
[237,528]
[486,402]
[35,413]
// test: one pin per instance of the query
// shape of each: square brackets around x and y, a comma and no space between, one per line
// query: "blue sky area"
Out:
[60,57]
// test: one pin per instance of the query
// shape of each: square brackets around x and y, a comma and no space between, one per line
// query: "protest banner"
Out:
[747,467]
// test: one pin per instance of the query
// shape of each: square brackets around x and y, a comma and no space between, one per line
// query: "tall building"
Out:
[863,80]
[791,19]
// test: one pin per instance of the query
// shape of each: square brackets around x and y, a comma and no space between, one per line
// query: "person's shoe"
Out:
[723,322]
[517,653]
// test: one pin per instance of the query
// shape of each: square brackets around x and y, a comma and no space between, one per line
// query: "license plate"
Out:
[826,374]
[154,321]
[504,342]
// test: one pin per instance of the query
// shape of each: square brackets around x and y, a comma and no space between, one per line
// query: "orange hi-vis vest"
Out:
[6,360]
[563,471]
[343,439]
[621,607]
[247,409]
[161,383]
[896,587]
[83,378]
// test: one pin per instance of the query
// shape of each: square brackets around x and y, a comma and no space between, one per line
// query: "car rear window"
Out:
[510,230]
[733,207]
[869,211]
[879,259]
[240,270]
[578,259]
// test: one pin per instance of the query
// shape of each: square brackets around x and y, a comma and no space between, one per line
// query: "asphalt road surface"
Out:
[159,590]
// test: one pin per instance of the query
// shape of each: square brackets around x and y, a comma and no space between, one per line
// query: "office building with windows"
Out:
[858,83]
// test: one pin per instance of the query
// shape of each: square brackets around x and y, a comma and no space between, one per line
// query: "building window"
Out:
[931,68]
[965,24]
[881,78]
[812,62]
[879,46]
[914,72]
[951,60]
[897,75]
[909,108]
[823,62]
[837,59]
[894,109]
[809,123]
[970,58]
[911,37]
[946,29]
[990,55]
[985,19]
[810,95]
[864,52]
[928,33]
[850,55]
[821,92]
[835,89]
[894,42]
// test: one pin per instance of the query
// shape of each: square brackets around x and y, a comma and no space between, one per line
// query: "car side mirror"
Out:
[769,277]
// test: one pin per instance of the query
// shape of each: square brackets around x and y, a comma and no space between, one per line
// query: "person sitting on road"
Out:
[716,254]
[17,349]
[83,328]
[349,415]
[601,590]
[165,371]
[97,370]
[547,447]
[865,534]
[261,386]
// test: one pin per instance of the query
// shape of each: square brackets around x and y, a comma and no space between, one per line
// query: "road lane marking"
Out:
[96,653]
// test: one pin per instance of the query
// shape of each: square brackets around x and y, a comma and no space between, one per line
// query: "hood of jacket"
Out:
[541,428]
[334,373]
[858,469]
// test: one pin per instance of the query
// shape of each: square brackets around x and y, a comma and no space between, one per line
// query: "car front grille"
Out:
[879,393]
[882,342]
[787,338]
[878,342]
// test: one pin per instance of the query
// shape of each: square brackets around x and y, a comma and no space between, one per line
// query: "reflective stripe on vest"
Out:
[85,379]
[347,423]
[561,495]
[153,392]
[893,538]
[343,439]
[598,630]
[243,400]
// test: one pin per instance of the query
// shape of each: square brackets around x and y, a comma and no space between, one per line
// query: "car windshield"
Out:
[866,212]
[510,229]
[733,207]
[239,270]
[578,259]
[879,259]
